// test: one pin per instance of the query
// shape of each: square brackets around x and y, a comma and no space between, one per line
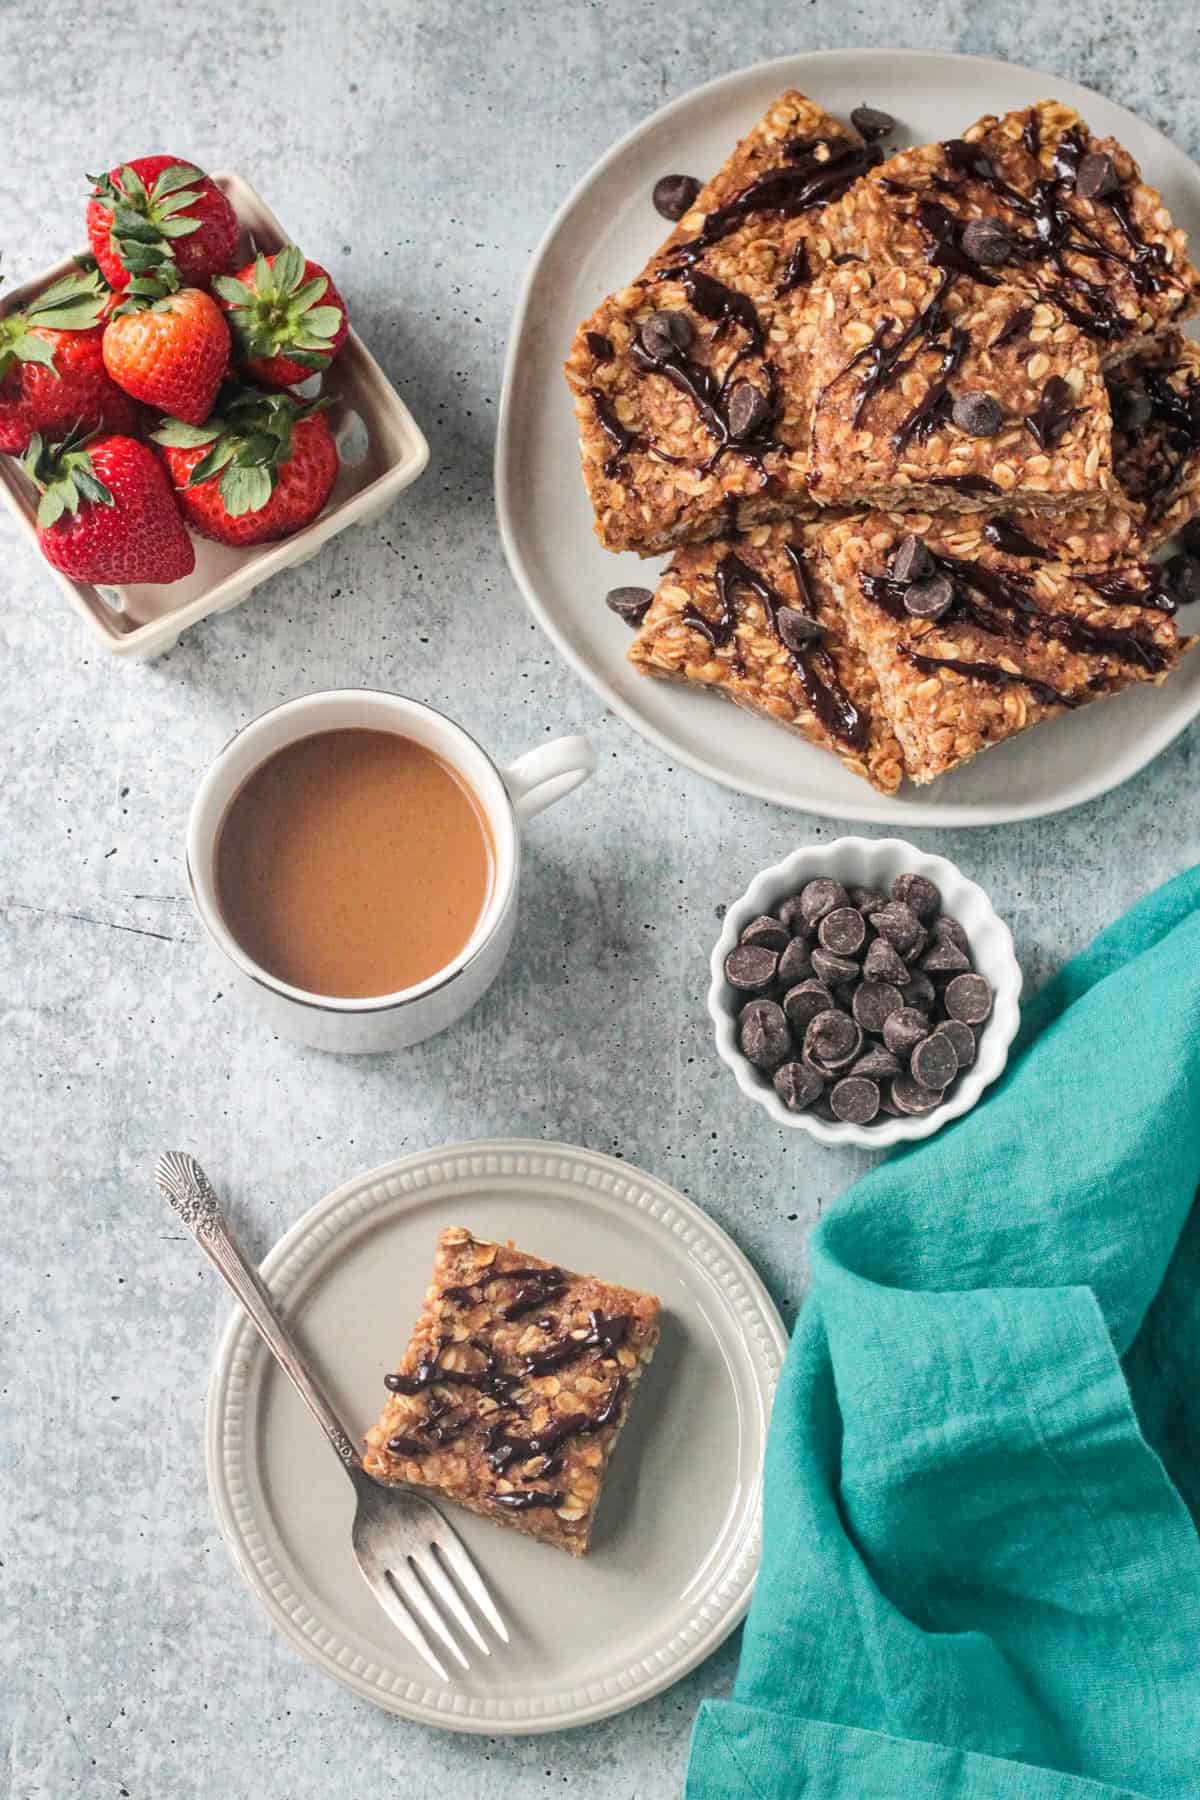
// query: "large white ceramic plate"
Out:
[677,1536]
[602,234]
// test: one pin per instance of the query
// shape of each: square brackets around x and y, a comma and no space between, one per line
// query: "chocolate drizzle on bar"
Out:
[502,1448]
[999,604]
[710,396]
[535,1286]
[818,171]
[1055,233]
[990,672]
[815,668]
[621,440]
[1003,535]
[1173,429]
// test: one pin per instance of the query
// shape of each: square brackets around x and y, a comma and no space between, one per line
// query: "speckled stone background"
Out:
[419,149]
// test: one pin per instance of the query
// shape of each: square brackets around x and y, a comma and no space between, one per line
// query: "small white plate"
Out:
[677,1535]
[600,237]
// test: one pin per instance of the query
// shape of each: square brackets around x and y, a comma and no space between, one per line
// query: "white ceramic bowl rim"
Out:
[228,772]
[838,859]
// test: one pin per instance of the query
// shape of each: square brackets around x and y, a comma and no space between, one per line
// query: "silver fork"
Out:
[406,1551]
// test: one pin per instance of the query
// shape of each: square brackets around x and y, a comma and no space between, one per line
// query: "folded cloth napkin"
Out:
[981,1569]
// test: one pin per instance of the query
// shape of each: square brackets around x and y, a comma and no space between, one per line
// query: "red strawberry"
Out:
[168,345]
[156,209]
[107,513]
[286,316]
[262,467]
[52,374]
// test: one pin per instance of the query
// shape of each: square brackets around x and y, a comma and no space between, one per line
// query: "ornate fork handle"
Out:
[191,1193]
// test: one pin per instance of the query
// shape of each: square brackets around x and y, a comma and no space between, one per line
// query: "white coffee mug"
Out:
[509,796]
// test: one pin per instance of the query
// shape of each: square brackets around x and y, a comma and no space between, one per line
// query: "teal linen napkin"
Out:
[981,1571]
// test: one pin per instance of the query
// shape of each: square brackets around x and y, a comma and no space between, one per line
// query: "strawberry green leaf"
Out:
[179,175]
[133,185]
[181,436]
[245,490]
[221,453]
[322,321]
[263,283]
[51,506]
[288,269]
[176,203]
[229,288]
[30,349]
[308,359]
[91,487]
[310,293]
[177,228]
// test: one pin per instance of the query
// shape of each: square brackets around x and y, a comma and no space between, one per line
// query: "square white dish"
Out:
[146,620]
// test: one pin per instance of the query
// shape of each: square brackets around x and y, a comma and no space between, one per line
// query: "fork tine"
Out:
[455,1553]
[415,1597]
[400,1616]
[432,1573]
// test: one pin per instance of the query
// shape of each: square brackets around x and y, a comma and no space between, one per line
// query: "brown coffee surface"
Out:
[353,863]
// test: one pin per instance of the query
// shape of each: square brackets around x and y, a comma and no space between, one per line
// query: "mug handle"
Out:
[542,776]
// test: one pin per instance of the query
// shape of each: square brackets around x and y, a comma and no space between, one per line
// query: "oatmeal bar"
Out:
[935,395]
[1032,199]
[513,1390]
[685,429]
[1156,434]
[971,642]
[754,620]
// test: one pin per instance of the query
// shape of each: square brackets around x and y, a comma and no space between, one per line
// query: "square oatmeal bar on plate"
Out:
[514,1388]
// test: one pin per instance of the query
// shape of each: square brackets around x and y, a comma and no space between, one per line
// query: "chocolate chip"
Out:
[766,930]
[629,603]
[913,954]
[962,1037]
[911,560]
[884,963]
[832,1040]
[833,969]
[969,999]
[919,893]
[944,958]
[1132,407]
[795,964]
[665,335]
[910,1097]
[978,414]
[797,1085]
[674,195]
[792,914]
[1097,176]
[904,1029]
[919,992]
[803,1002]
[747,411]
[929,599]
[600,346]
[751,968]
[871,122]
[763,1034]
[935,1061]
[888,1105]
[899,924]
[878,1063]
[868,900]
[1182,576]
[945,926]
[874,1003]
[843,931]
[820,897]
[855,1100]
[988,241]
[796,629]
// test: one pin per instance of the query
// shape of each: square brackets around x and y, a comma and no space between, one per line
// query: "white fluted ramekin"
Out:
[874,863]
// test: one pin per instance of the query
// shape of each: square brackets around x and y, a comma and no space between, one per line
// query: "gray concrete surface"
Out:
[421,147]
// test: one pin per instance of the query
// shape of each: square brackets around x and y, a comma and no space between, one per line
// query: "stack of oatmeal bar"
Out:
[911,426]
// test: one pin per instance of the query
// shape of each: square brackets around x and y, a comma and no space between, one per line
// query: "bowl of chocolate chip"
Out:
[864,991]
